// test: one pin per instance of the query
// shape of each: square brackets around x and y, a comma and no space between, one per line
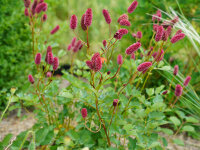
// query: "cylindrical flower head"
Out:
[77,46]
[88,17]
[134,47]
[119,59]
[155,27]
[159,33]
[69,47]
[49,74]
[49,49]
[123,31]
[115,102]
[44,17]
[139,35]
[31,79]
[169,30]
[33,7]
[73,41]
[82,23]
[144,66]
[177,37]
[38,57]
[55,63]
[124,16]
[178,90]
[40,7]
[178,32]
[98,64]
[104,43]
[165,36]
[187,80]
[50,58]
[133,56]
[27,3]
[73,22]
[26,13]
[165,92]
[132,7]
[84,113]
[175,70]
[125,22]
[55,29]
[106,16]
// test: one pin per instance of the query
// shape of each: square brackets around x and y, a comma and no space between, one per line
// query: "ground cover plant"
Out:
[108,103]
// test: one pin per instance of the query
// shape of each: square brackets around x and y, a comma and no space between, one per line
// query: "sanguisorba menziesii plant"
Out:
[117,108]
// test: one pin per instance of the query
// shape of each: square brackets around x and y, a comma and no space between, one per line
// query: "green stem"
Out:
[5,109]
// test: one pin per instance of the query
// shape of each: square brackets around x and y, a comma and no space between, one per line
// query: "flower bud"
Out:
[49,74]
[165,92]
[44,17]
[40,7]
[31,79]
[77,46]
[187,80]
[178,90]
[55,63]
[88,17]
[27,3]
[55,29]
[84,113]
[133,6]
[177,37]
[33,7]
[38,57]
[26,13]
[144,66]
[106,16]
[49,49]
[115,102]
[175,70]
[159,33]
[125,22]
[73,22]
[139,35]
[82,23]
[69,47]
[104,43]
[50,58]
[124,16]
[108,72]
[134,47]
[73,41]
[119,59]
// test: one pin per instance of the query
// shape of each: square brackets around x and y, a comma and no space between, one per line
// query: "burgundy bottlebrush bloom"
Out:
[26,13]
[165,36]
[125,22]
[73,22]
[50,58]
[158,13]
[44,17]
[33,7]
[175,70]
[73,41]
[139,35]
[88,17]
[82,23]
[115,102]
[177,37]
[132,7]
[31,79]
[55,29]
[132,48]
[49,49]
[55,63]
[104,43]
[124,16]
[40,7]
[27,3]
[155,27]
[49,74]
[77,46]
[106,16]
[96,63]
[178,90]
[84,113]
[69,47]
[178,32]
[133,56]
[169,30]
[144,66]
[165,92]
[159,33]
[38,58]
[108,72]
[119,59]
[119,34]
[187,80]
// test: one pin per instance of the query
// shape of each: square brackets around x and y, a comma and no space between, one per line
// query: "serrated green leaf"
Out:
[188,128]
[175,120]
